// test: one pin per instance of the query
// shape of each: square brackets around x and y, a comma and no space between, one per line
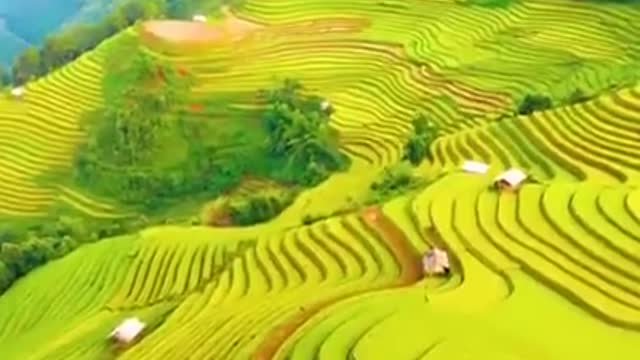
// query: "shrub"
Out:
[299,131]
[394,181]
[5,77]
[423,134]
[67,45]
[578,96]
[246,209]
[533,103]
[216,213]
[26,246]
[260,207]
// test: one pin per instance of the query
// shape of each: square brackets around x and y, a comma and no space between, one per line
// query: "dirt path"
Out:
[410,272]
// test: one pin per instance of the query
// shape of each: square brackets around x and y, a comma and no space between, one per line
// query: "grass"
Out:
[537,274]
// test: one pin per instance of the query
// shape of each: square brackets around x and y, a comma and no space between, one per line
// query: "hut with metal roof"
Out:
[511,179]
[129,330]
[476,167]
[435,262]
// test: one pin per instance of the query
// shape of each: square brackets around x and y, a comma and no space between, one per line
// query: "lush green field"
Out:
[549,272]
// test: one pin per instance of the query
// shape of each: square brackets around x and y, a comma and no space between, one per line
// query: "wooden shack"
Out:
[510,180]
[128,331]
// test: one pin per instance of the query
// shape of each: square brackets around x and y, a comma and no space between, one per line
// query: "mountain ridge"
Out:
[18,30]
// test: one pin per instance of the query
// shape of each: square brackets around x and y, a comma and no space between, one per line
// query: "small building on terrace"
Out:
[199,18]
[128,331]
[17,92]
[435,262]
[326,107]
[511,179]
[475,167]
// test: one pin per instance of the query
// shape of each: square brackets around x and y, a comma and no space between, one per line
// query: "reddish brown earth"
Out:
[231,28]
[410,272]
[196,107]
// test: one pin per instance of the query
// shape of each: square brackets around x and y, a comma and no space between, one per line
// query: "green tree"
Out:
[300,132]
[13,256]
[534,102]
[128,130]
[258,207]
[394,181]
[8,234]
[5,77]
[57,51]
[423,133]
[129,12]
[7,276]
[27,65]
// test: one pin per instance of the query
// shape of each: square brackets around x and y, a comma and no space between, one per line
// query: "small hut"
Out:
[475,167]
[326,107]
[17,92]
[199,18]
[510,179]
[127,331]
[435,261]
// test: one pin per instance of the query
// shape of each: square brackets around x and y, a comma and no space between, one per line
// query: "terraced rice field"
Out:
[39,132]
[549,272]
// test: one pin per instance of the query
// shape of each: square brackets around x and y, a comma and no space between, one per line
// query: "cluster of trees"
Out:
[538,102]
[299,131]
[424,132]
[144,119]
[71,42]
[256,208]
[394,181]
[5,77]
[23,247]
[534,102]
[247,209]
[141,116]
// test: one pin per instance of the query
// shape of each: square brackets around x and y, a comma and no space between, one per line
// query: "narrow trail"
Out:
[410,272]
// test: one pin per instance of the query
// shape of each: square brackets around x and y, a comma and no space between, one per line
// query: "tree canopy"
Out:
[5,78]
[534,102]
[299,130]
[144,122]
[67,45]
[423,133]
[27,245]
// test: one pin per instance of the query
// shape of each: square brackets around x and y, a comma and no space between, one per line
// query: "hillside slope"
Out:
[537,273]
[24,23]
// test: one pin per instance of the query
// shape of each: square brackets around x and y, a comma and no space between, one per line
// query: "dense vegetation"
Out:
[5,77]
[24,245]
[394,181]
[71,42]
[61,48]
[143,149]
[299,131]
[534,102]
[423,133]
[349,284]
[247,209]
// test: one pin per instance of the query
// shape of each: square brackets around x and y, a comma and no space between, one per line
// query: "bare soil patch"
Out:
[410,272]
[231,28]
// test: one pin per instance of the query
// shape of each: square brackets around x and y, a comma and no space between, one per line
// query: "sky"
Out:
[26,22]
